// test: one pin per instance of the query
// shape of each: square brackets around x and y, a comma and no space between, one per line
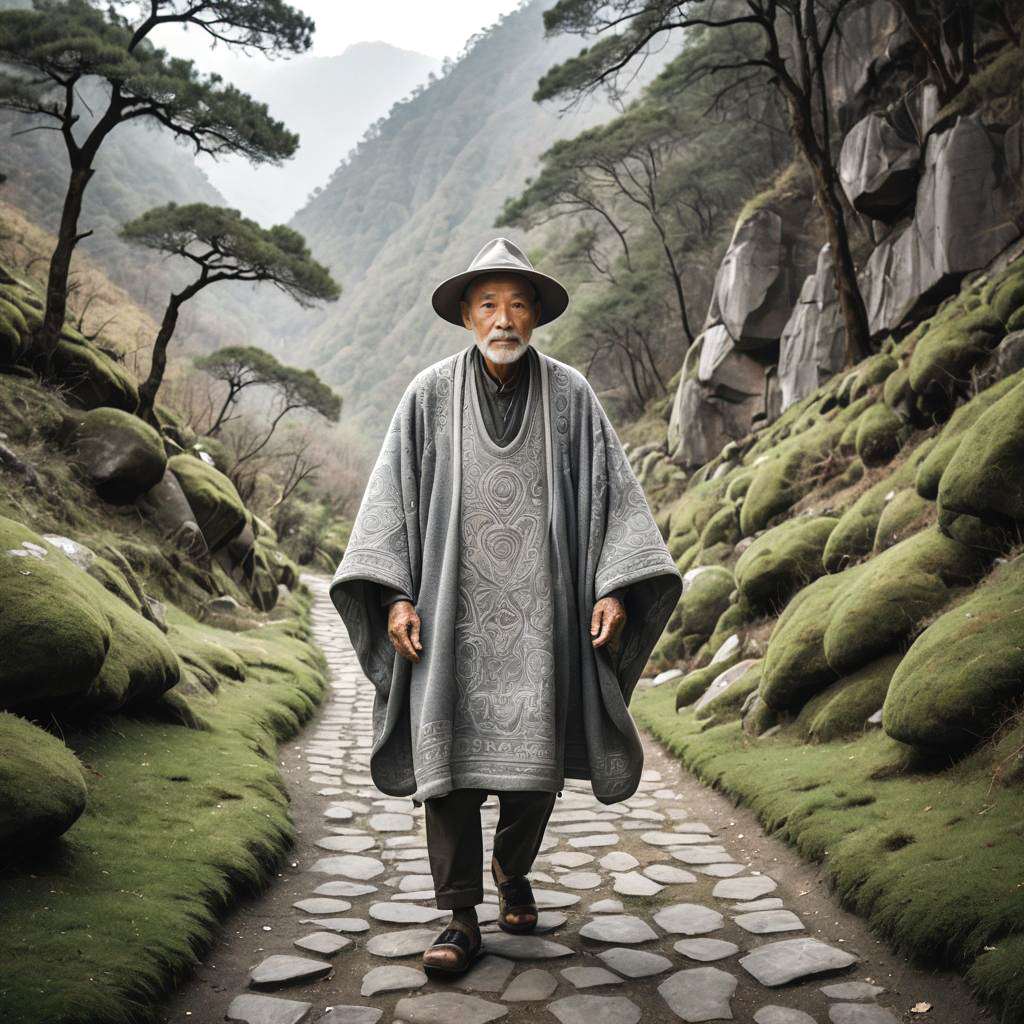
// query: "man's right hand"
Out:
[404,630]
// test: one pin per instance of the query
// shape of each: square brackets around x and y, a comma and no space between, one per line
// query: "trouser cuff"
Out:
[457,899]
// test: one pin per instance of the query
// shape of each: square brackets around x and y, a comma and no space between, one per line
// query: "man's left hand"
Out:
[607,621]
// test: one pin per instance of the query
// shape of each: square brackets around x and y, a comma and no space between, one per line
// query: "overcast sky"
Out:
[438,29]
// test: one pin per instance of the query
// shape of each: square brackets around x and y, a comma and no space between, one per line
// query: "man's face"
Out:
[501,310]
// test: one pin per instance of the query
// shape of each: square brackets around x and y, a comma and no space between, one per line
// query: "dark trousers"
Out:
[455,843]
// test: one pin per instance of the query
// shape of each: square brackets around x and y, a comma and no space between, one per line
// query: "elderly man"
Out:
[503,587]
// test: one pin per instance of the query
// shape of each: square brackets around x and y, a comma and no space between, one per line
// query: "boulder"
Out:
[76,647]
[843,708]
[695,683]
[812,346]
[90,377]
[963,674]
[167,508]
[782,560]
[729,689]
[753,292]
[14,333]
[904,514]
[963,220]
[879,165]
[42,787]
[122,456]
[983,478]
[705,596]
[217,507]
[880,434]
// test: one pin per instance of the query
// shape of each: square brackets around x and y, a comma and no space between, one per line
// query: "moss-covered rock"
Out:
[212,449]
[705,596]
[122,456]
[782,560]
[722,528]
[880,434]
[905,514]
[218,509]
[881,606]
[69,644]
[962,673]
[13,333]
[843,708]
[90,377]
[691,514]
[724,697]
[1005,294]
[984,478]
[42,788]
[692,686]
[873,370]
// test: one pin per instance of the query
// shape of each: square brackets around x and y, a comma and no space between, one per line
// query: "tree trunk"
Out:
[147,392]
[60,266]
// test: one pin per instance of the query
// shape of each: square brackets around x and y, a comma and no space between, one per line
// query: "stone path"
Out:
[647,913]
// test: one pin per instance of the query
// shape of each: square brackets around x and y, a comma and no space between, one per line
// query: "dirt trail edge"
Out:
[673,906]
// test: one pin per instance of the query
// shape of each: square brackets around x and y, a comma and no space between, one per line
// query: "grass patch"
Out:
[945,887]
[179,822]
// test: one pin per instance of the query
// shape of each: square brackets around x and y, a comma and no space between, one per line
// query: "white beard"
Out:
[501,354]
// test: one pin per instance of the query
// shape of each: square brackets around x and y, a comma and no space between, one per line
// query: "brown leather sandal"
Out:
[458,945]
[515,899]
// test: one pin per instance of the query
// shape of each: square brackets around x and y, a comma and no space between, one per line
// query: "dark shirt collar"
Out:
[494,386]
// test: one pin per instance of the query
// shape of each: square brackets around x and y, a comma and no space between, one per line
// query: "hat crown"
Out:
[499,253]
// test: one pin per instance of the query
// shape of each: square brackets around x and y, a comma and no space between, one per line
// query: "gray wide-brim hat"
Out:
[503,257]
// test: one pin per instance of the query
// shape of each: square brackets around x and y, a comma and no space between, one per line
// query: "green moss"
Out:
[983,478]
[13,332]
[997,82]
[726,705]
[42,789]
[705,596]
[92,378]
[692,513]
[896,391]
[880,607]
[722,528]
[692,686]
[963,673]
[904,515]
[212,497]
[123,456]
[843,708]
[1005,294]
[782,560]
[216,450]
[880,434]
[871,372]
[939,899]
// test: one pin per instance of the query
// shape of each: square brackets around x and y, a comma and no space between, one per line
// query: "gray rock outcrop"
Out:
[879,166]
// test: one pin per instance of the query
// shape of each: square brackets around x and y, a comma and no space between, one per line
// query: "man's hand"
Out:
[607,621]
[404,630]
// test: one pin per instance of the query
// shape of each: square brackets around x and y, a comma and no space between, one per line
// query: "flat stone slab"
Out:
[406,913]
[324,943]
[777,963]
[446,1007]
[701,855]
[763,922]
[281,969]
[407,942]
[350,865]
[346,844]
[323,905]
[524,947]
[391,978]
[618,929]
[338,924]
[632,883]
[488,974]
[699,993]
[606,907]
[595,1010]
[769,903]
[619,861]
[706,949]
[772,1014]
[695,826]
[338,812]
[553,899]
[589,977]
[720,870]
[852,990]
[252,1009]
[861,1013]
[570,859]
[531,986]
[689,919]
[668,874]
[580,880]
[672,838]
[747,888]
[635,963]
[390,822]
[355,1015]
[344,889]
[586,842]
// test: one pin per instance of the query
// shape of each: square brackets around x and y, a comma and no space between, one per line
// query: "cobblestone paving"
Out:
[645,914]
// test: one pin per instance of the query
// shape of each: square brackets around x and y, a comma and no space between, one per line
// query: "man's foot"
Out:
[455,949]
[517,909]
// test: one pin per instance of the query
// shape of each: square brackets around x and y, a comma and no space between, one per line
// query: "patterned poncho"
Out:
[505,551]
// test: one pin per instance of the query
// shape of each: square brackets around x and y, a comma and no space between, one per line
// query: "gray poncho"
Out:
[505,550]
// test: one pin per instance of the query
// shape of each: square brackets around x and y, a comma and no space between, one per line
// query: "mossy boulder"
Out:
[722,528]
[692,686]
[881,606]
[843,708]
[90,377]
[905,514]
[692,513]
[782,560]
[964,672]
[705,596]
[218,509]
[873,370]
[1005,295]
[13,333]
[726,693]
[880,434]
[949,346]
[169,511]
[42,787]
[213,450]
[984,478]
[122,456]
[69,644]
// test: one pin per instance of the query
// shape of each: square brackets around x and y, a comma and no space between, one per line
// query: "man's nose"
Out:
[504,318]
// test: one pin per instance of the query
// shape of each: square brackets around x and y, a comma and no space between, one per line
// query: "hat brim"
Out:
[554,299]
